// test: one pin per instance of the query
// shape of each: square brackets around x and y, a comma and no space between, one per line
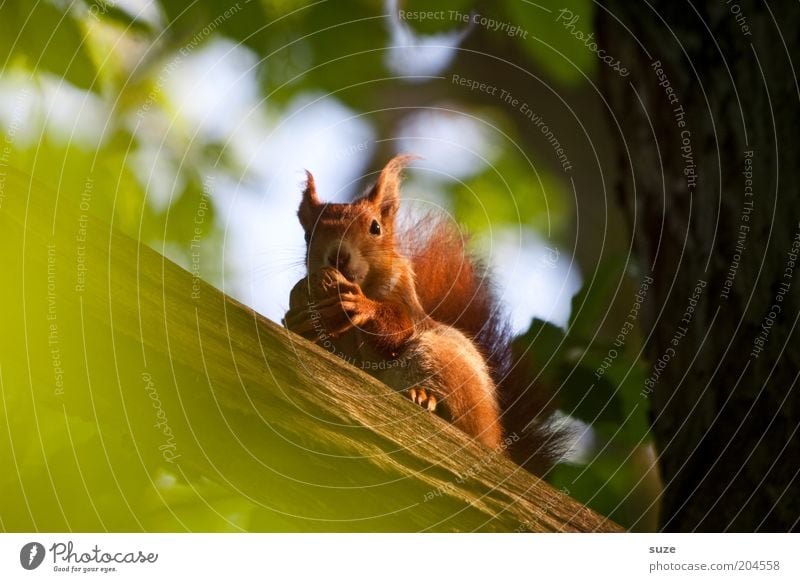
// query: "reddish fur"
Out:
[389,328]
[455,288]
[438,278]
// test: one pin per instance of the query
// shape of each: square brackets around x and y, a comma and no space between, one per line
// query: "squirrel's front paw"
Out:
[299,321]
[424,398]
[331,282]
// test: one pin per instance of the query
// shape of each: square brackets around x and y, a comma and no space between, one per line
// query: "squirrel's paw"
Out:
[344,312]
[299,321]
[424,398]
[331,282]
[326,303]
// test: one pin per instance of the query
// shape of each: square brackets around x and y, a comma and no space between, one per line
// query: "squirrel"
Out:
[416,310]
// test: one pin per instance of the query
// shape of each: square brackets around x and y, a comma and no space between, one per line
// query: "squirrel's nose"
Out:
[340,259]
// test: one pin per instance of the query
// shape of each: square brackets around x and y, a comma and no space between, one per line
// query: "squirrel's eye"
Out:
[375,228]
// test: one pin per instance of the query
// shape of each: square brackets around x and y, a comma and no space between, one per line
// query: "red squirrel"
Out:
[412,307]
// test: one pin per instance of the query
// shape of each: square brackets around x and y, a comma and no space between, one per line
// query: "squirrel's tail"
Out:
[455,289]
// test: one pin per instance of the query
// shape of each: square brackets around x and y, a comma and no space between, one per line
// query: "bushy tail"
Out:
[455,289]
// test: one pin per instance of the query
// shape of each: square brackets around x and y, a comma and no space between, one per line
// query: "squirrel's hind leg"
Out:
[443,363]
[425,398]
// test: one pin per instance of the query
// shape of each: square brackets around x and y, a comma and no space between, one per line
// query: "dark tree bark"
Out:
[723,382]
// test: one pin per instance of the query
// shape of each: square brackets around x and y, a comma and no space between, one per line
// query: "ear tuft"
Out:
[386,191]
[309,204]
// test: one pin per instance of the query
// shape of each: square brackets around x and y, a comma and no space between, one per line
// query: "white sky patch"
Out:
[158,173]
[145,10]
[264,249]
[214,88]
[74,115]
[148,10]
[452,145]
[533,278]
[315,133]
[417,54]
[66,113]
[20,104]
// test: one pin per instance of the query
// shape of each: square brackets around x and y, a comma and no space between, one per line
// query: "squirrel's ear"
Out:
[309,206]
[386,191]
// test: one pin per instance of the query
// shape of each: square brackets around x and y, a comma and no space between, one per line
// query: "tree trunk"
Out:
[706,126]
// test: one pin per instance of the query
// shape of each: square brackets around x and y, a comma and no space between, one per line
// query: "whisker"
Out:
[275,267]
[382,254]
[258,273]
[258,279]
[295,250]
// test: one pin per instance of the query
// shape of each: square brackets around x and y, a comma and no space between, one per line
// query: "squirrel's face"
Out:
[356,238]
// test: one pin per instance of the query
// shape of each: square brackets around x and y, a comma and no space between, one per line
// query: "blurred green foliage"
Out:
[339,50]
[598,381]
[46,39]
[576,61]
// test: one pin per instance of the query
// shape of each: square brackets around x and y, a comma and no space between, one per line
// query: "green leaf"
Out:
[588,398]
[599,385]
[48,39]
[548,352]
[629,377]
[192,23]
[540,349]
[337,49]
[512,193]
[549,43]
[592,303]
[107,10]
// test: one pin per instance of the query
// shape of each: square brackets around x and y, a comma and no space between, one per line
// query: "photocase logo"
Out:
[31,555]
